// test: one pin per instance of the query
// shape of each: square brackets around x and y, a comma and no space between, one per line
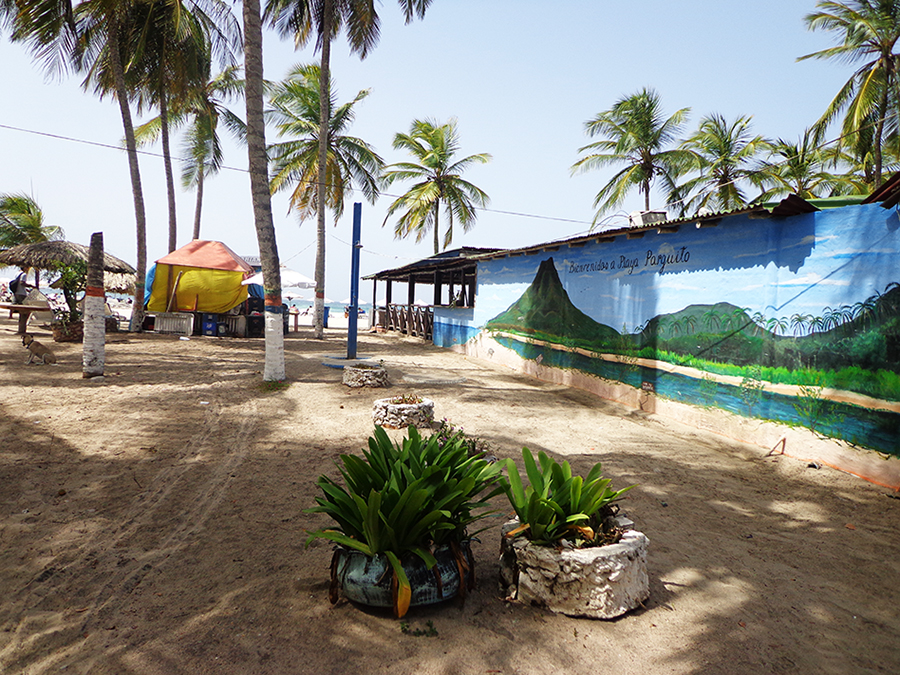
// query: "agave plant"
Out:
[557,505]
[406,499]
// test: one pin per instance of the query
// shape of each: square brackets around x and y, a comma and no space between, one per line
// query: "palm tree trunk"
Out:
[437,213]
[259,188]
[137,316]
[646,195]
[167,162]
[879,128]
[93,355]
[324,118]
[199,206]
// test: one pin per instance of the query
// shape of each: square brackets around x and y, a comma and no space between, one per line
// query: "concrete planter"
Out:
[401,415]
[365,375]
[598,583]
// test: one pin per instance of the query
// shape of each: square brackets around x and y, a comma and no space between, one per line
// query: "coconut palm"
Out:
[868,31]
[803,168]
[273,369]
[438,184]
[22,222]
[724,154]
[201,110]
[301,19]
[294,110]
[170,50]
[636,134]
[64,37]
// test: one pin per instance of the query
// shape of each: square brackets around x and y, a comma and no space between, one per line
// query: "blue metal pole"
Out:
[354,282]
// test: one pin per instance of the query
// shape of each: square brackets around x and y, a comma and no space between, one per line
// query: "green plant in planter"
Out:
[558,506]
[406,499]
[71,280]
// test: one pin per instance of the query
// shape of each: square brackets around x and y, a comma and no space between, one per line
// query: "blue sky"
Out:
[520,79]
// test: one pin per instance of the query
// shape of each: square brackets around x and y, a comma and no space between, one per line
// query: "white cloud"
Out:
[812,279]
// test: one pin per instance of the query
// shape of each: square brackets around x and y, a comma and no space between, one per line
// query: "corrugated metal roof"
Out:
[446,260]
[791,205]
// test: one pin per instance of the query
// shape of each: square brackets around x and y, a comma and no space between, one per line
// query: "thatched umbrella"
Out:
[47,255]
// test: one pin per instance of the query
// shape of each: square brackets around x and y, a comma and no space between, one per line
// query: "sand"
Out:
[153,523]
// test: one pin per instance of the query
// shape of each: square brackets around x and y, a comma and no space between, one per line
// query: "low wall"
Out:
[777,438]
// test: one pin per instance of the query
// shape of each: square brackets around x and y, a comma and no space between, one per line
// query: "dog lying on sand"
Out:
[37,350]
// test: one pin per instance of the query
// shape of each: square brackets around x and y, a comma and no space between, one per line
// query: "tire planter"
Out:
[367,579]
[600,583]
[401,415]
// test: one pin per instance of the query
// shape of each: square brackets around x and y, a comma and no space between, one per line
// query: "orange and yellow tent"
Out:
[202,276]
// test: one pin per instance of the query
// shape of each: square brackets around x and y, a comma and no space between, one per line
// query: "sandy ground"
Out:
[154,523]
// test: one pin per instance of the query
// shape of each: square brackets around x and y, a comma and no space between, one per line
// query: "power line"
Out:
[157,155]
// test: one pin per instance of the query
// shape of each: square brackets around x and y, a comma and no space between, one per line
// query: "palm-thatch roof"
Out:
[46,255]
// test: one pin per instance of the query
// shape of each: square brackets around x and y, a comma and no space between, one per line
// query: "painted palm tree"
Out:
[201,111]
[294,111]
[724,155]
[868,31]
[301,19]
[712,320]
[438,182]
[636,133]
[258,164]
[63,37]
[800,323]
[803,168]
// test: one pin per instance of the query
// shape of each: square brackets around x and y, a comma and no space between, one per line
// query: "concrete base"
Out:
[598,583]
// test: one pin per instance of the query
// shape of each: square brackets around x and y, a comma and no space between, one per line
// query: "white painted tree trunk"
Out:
[94,345]
[274,369]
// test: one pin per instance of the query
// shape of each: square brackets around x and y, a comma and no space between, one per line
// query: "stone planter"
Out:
[365,375]
[600,583]
[400,415]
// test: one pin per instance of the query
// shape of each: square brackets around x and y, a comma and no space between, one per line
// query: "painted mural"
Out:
[795,320]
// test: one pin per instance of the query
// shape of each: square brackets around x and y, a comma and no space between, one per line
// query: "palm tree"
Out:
[295,108]
[723,153]
[273,370]
[301,19]
[802,168]
[22,222]
[82,37]
[868,31]
[637,135]
[201,110]
[170,52]
[439,182]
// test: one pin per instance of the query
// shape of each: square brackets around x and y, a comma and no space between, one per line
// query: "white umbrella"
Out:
[288,278]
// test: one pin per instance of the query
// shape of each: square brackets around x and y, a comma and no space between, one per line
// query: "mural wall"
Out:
[794,320]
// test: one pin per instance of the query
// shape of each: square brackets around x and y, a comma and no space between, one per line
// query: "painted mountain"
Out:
[544,308]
